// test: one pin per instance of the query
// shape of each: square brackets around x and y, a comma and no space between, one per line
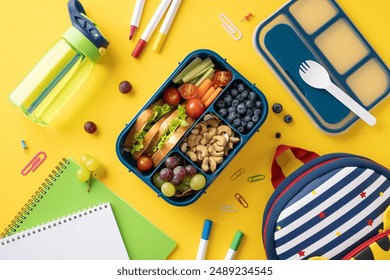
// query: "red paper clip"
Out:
[34,163]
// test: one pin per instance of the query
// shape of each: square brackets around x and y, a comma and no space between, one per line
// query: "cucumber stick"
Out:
[187,69]
[208,74]
[198,70]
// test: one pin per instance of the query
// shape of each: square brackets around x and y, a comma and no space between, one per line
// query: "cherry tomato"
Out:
[195,108]
[188,90]
[172,96]
[222,78]
[144,163]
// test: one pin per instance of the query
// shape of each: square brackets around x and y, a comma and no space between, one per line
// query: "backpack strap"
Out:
[303,155]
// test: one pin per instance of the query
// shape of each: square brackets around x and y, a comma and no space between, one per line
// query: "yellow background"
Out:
[29,28]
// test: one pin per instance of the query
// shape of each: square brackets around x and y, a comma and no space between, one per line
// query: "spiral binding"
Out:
[52,224]
[35,198]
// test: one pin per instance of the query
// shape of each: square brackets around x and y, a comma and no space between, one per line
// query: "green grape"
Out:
[185,185]
[157,180]
[84,158]
[83,175]
[168,189]
[197,182]
[92,165]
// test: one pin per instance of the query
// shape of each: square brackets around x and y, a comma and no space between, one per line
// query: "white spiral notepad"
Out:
[91,234]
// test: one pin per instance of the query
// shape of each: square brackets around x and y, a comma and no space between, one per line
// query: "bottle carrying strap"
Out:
[303,155]
[85,25]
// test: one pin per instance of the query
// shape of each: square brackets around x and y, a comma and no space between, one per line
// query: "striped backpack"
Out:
[332,207]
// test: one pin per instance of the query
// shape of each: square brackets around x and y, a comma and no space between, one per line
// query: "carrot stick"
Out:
[204,86]
[207,94]
[212,97]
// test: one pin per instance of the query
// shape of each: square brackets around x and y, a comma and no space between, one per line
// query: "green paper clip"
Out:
[256,178]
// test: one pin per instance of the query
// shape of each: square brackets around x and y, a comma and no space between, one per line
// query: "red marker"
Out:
[139,6]
[158,14]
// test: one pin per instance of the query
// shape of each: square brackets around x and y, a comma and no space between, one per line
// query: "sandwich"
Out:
[157,130]
[171,131]
[145,127]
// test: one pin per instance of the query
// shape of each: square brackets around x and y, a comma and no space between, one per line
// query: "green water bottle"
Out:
[62,70]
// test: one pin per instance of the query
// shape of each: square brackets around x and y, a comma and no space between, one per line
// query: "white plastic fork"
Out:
[316,76]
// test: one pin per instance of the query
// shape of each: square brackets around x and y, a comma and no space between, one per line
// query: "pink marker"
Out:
[158,14]
[139,6]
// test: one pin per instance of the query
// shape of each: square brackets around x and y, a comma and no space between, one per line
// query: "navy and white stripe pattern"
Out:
[332,214]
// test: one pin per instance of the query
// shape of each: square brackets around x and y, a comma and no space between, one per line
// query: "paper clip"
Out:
[237,174]
[256,178]
[241,200]
[230,27]
[228,208]
[34,163]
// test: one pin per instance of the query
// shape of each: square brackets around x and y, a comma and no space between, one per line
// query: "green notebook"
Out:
[62,193]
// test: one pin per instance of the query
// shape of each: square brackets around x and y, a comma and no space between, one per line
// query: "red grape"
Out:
[125,87]
[90,127]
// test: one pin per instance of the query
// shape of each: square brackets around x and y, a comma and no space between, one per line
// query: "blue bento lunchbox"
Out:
[208,142]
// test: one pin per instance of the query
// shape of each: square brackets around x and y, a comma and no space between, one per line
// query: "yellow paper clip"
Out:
[255,178]
[228,208]
[241,200]
[230,27]
[237,174]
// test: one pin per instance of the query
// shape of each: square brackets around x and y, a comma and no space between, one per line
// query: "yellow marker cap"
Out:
[159,42]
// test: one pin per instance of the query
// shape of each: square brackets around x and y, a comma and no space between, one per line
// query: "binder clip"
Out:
[233,31]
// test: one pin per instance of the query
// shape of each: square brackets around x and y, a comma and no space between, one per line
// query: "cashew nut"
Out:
[218,148]
[210,133]
[191,155]
[234,139]
[202,151]
[212,164]
[203,127]
[212,122]
[214,153]
[224,128]
[195,131]
[184,147]
[205,164]
[218,159]
[192,140]
[220,140]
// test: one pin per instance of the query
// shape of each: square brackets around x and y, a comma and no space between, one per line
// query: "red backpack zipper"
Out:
[366,244]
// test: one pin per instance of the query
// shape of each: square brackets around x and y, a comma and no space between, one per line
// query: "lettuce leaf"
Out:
[180,120]
[159,112]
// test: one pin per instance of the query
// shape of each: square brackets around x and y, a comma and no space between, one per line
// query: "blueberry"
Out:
[250,112]
[247,118]
[259,104]
[257,112]
[223,112]
[227,99]
[243,123]
[234,92]
[231,117]
[255,118]
[252,96]
[231,109]
[245,94]
[250,125]
[241,108]
[235,102]
[250,104]
[240,97]
[240,87]
[241,129]
[220,103]
[237,122]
